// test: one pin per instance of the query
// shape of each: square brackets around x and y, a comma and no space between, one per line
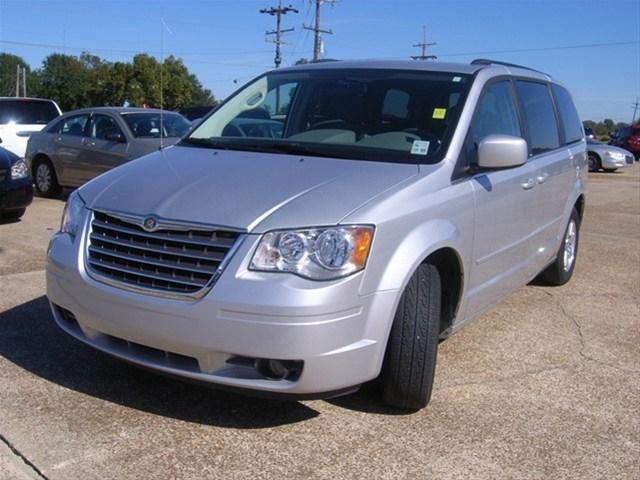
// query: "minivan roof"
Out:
[430,66]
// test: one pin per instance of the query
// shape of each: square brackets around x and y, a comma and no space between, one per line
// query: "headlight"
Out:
[315,253]
[72,214]
[19,170]
[616,155]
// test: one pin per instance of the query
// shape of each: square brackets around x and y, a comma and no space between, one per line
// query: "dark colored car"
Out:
[16,189]
[629,139]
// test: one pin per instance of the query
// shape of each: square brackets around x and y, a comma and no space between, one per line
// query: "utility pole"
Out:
[24,81]
[423,47]
[17,80]
[278,12]
[317,39]
[635,110]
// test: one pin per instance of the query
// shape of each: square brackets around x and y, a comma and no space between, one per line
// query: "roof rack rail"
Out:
[486,61]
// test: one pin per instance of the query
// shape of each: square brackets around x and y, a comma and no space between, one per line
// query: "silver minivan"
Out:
[326,226]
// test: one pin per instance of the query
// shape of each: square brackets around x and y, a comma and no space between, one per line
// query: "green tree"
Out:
[65,79]
[8,64]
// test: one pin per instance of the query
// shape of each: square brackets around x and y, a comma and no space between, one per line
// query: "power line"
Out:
[423,47]
[317,39]
[278,12]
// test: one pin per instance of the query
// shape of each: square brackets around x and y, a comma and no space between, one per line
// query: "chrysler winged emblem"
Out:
[150,224]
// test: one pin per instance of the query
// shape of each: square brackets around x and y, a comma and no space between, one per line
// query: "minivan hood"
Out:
[246,190]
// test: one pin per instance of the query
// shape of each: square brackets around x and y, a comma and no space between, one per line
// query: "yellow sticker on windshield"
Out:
[439,113]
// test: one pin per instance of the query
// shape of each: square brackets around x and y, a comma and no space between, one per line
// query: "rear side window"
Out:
[497,113]
[27,112]
[569,119]
[539,116]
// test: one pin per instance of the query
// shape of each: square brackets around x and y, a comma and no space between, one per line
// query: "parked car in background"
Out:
[20,117]
[589,133]
[82,144]
[396,202]
[607,157]
[16,189]
[629,139]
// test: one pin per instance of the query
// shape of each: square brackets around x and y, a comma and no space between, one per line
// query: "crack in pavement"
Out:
[581,338]
[19,454]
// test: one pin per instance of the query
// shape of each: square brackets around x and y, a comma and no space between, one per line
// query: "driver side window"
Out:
[497,113]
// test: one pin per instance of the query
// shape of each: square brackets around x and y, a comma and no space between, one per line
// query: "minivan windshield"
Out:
[369,114]
[27,112]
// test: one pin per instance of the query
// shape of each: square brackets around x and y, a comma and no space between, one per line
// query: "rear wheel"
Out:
[561,270]
[45,179]
[594,162]
[410,359]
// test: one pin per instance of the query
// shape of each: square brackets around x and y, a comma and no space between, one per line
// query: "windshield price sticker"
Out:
[439,113]
[420,147]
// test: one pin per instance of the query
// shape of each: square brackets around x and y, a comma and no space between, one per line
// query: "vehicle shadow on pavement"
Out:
[30,339]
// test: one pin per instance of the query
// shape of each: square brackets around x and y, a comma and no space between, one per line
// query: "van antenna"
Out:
[163,26]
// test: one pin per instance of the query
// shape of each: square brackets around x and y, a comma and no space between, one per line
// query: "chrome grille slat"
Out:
[212,256]
[147,274]
[165,261]
[222,243]
[157,263]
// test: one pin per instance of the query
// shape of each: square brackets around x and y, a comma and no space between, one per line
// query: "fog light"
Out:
[278,369]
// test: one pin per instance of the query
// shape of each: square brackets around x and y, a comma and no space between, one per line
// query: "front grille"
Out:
[629,159]
[166,260]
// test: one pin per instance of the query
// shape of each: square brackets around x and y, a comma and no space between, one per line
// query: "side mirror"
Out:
[502,151]
[115,137]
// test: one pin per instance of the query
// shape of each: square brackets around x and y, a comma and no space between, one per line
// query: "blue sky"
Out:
[223,41]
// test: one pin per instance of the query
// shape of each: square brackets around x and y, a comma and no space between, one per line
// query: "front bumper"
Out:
[337,334]
[15,194]
[612,163]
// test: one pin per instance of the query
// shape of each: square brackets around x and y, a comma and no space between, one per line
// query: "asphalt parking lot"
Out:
[545,386]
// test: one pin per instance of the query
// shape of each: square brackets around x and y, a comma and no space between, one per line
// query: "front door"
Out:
[105,148]
[505,206]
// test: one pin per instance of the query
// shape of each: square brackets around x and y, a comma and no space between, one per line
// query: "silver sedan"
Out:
[82,144]
[607,157]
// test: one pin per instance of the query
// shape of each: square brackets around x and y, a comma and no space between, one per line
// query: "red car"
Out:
[629,139]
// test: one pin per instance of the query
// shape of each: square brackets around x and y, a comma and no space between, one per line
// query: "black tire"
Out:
[45,179]
[410,358]
[557,273]
[13,214]
[594,162]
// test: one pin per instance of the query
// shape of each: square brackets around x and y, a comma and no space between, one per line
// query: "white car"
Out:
[20,117]
[607,157]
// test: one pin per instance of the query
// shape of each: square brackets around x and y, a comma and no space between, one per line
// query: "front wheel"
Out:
[410,359]
[594,163]
[561,270]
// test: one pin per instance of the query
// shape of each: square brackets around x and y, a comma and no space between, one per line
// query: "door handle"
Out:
[543,178]
[91,144]
[529,184]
